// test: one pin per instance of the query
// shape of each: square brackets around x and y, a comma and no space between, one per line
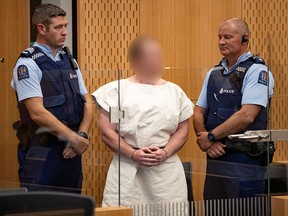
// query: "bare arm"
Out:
[238,122]
[199,127]
[198,119]
[45,119]
[85,124]
[109,134]
[178,139]
[88,115]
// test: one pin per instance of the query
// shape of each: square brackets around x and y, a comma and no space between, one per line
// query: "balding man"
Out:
[233,100]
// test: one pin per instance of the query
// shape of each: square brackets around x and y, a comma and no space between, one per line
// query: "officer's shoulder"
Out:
[27,52]
[257,60]
[32,53]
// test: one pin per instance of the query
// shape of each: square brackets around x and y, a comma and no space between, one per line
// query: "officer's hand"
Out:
[145,157]
[69,152]
[203,142]
[79,144]
[216,150]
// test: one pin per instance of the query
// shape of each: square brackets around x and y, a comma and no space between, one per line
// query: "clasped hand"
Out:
[150,156]
[213,150]
[75,147]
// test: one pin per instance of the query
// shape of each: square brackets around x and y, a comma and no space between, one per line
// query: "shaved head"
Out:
[239,24]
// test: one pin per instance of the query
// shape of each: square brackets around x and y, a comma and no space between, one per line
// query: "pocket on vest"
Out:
[225,113]
[54,104]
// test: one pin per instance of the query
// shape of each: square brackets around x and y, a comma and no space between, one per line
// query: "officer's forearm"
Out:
[238,122]
[47,121]
[198,120]
[88,115]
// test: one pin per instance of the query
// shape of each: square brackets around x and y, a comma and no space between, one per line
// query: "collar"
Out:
[46,49]
[241,58]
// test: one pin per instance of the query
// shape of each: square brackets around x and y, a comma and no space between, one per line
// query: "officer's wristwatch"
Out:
[83,134]
[211,137]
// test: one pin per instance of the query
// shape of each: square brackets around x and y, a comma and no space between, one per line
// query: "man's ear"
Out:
[41,29]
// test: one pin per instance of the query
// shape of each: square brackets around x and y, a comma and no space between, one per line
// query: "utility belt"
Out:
[26,132]
[245,146]
[256,150]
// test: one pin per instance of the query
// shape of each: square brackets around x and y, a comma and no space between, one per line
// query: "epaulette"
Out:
[258,60]
[27,52]
[31,52]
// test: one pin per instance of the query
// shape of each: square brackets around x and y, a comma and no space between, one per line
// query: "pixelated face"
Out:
[56,34]
[151,60]
[230,41]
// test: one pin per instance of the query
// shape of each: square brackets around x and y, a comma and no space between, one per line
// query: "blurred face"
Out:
[230,41]
[55,35]
[150,63]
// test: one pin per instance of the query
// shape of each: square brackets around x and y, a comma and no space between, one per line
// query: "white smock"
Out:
[153,113]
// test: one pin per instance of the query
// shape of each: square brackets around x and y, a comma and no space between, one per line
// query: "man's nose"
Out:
[64,31]
[222,41]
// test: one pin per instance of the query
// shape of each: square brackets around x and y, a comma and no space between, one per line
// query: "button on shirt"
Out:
[30,87]
[253,92]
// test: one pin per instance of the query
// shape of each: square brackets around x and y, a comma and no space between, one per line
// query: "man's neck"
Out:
[232,60]
[52,48]
[148,80]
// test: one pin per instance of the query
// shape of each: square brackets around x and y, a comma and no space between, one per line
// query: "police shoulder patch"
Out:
[22,72]
[263,78]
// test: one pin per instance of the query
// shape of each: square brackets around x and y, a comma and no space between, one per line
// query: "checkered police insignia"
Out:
[22,72]
[263,78]
[216,68]
[37,55]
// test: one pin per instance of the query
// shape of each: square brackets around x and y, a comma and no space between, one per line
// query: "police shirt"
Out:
[254,89]
[27,75]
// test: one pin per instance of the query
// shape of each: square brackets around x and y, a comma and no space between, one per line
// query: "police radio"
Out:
[72,60]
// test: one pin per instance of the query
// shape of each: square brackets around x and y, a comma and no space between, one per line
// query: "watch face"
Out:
[83,134]
[211,136]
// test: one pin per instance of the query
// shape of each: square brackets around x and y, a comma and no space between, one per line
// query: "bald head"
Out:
[233,39]
[239,25]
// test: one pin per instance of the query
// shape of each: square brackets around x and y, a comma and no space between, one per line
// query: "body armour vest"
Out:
[60,88]
[224,95]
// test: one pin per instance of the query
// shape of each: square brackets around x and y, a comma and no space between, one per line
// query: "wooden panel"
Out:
[105,29]
[268,22]
[114,211]
[279,205]
[14,37]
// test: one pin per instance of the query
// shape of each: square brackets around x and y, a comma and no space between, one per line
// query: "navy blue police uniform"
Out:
[240,171]
[42,165]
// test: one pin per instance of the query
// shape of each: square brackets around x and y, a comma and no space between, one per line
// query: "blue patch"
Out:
[22,72]
[263,78]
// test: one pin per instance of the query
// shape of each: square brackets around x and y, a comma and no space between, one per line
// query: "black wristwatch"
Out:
[83,134]
[211,137]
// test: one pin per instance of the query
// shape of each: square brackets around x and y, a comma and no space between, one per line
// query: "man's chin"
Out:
[61,44]
[224,52]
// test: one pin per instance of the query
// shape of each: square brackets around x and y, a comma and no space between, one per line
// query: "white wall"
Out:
[67,6]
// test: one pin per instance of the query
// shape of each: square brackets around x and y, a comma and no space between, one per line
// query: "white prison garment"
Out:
[153,113]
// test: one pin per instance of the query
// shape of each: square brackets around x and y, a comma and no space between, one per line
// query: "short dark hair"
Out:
[43,14]
[135,47]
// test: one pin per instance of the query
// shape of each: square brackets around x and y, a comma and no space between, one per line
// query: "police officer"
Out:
[233,99]
[55,108]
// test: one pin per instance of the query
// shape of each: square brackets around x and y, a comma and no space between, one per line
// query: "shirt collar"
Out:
[241,58]
[46,49]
